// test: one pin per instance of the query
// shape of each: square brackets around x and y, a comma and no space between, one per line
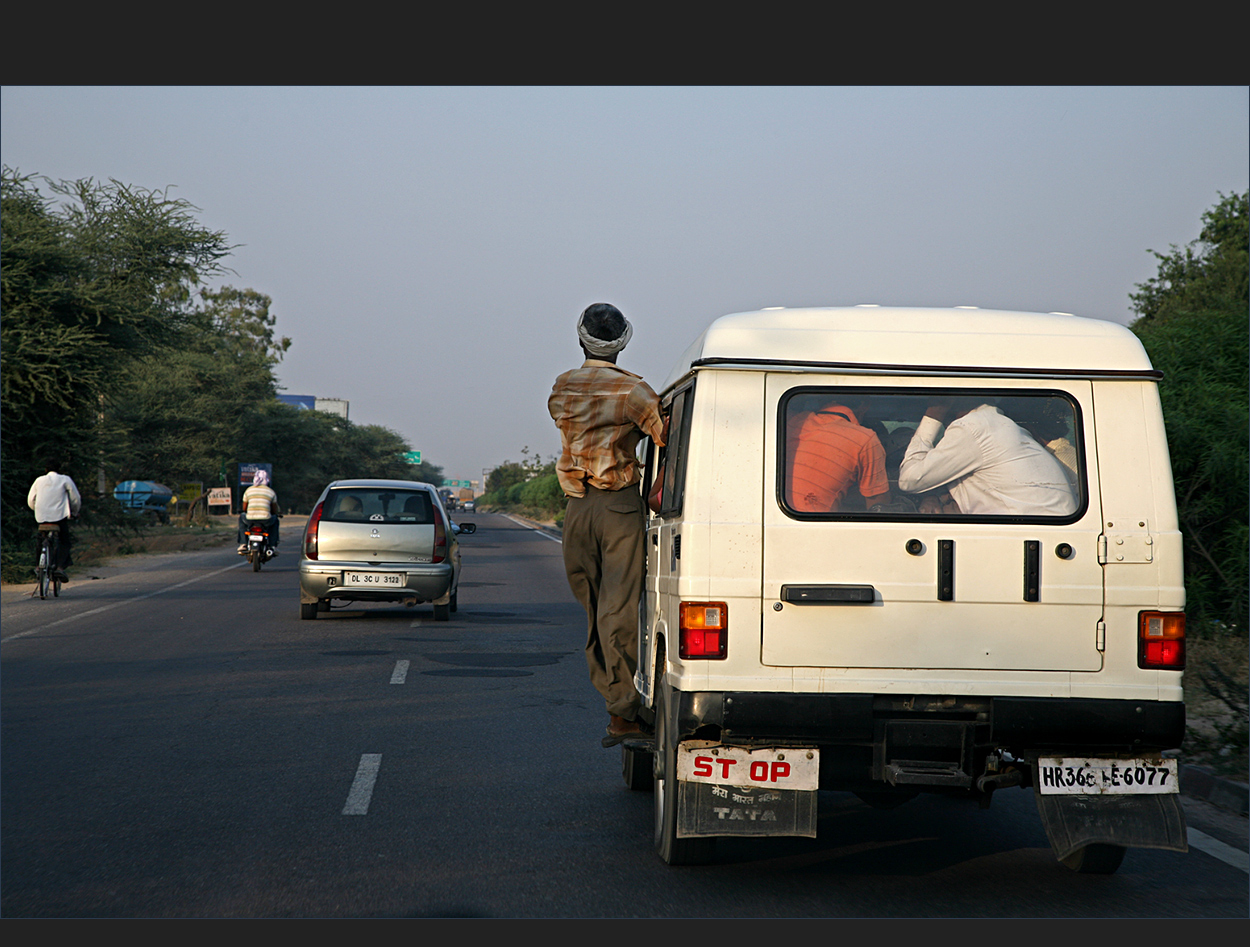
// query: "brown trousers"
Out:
[604,556]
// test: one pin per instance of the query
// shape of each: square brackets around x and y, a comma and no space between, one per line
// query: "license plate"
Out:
[376,579]
[1081,776]
[785,767]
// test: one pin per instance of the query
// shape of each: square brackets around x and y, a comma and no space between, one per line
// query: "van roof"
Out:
[893,340]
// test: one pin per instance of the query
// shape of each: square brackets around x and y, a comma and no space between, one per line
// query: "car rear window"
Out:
[378,505]
[867,453]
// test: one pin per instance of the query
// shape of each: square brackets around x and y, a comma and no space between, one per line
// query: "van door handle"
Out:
[828,594]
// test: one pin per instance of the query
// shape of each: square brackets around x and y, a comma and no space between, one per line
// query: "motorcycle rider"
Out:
[260,504]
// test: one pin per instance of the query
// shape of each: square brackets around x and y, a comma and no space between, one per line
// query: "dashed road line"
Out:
[1217,849]
[400,674]
[361,793]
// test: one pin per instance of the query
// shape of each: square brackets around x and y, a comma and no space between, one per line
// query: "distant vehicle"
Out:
[470,506]
[380,541]
[448,497]
[145,498]
[465,496]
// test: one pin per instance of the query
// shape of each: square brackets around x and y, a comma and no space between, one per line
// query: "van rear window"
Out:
[357,505]
[932,453]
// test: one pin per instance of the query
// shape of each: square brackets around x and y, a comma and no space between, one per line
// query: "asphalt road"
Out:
[178,743]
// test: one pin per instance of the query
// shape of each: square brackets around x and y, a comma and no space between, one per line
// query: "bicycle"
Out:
[45,571]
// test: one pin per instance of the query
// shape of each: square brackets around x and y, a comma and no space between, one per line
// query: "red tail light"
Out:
[1161,640]
[704,631]
[440,537]
[310,533]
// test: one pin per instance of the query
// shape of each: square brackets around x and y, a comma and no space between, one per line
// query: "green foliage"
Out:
[112,358]
[425,472]
[309,449]
[1209,273]
[529,487]
[1194,327]
[89,286]
[504,477]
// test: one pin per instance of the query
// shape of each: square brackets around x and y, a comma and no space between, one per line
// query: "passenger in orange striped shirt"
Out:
[828,452]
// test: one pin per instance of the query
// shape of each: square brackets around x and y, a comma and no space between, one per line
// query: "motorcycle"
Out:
[259,550]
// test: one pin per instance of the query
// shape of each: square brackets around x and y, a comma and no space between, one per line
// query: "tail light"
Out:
[310,533]
[440,537]
[1161,640]
[704,630]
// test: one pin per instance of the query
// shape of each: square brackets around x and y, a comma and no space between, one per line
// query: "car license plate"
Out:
[1081,776]
[786,767]
[376,579]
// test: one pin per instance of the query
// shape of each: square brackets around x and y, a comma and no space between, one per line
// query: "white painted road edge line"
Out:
[137,598]
[400,673]
[1217,849]
[362,786]
[534,528]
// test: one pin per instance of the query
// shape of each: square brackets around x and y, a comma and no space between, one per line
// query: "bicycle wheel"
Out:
[43,571]
[54,563]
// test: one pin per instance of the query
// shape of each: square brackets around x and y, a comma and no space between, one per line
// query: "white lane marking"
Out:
[1217,849]
[534,528]
[400,673]
[362,786]
[137,598]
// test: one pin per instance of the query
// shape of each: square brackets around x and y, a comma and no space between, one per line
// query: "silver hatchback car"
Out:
[380,541]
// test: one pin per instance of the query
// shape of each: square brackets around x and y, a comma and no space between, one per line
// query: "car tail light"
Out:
[440,536]
[310,533]
[1161,640]
[704,629]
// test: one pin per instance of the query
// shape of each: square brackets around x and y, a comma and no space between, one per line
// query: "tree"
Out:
[88,286]
[187,406]
[1194,327]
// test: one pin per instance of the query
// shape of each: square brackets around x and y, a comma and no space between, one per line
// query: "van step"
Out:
[926,773]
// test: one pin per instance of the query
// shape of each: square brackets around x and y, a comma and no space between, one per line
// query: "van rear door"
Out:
[921,582]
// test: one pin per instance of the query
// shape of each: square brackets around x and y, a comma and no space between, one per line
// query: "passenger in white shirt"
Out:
[989,463]
[55,499]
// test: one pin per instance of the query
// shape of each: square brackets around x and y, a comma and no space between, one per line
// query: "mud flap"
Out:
[1145,821]
[704,810]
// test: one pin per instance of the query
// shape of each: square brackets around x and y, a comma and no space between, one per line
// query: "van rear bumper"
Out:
[1069,724]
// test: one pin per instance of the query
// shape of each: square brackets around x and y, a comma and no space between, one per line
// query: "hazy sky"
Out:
[429,249]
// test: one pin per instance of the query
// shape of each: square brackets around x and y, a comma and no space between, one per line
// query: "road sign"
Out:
[412,456]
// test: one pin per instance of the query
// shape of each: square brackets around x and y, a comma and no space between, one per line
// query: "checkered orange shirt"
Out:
[602,412]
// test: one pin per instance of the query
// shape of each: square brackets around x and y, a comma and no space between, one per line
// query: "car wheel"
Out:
[670,848]
[307,610]
[442,612]
[1096,859]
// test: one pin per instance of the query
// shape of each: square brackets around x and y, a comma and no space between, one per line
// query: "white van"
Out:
[912,550]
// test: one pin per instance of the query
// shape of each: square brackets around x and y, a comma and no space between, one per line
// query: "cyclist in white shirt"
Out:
[55,499]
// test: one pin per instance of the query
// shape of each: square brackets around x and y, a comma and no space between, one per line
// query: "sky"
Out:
[428,249]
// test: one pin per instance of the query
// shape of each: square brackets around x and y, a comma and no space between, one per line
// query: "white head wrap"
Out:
[598,347]
[260,478]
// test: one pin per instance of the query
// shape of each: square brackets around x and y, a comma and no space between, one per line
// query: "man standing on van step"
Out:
[602,412]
